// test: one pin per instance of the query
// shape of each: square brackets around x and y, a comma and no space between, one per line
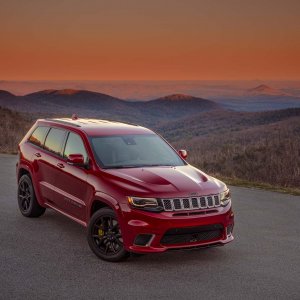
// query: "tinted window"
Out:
[134,151]
[54,140]
[75,145]
[38,136]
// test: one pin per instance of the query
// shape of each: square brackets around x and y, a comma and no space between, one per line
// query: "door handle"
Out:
[37,154]
[60,165]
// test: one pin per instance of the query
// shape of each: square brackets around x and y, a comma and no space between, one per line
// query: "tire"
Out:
[27,201]
[104,236]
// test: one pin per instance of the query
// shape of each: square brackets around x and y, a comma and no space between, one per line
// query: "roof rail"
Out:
[72,123]
[63,122]
[125,122]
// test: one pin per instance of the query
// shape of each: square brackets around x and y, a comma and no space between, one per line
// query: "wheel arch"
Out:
[24,167]
[98,204]
[102,200]
[24,171]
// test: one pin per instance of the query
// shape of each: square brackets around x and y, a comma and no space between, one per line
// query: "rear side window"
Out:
[54,141]
[75,145]
[38,136]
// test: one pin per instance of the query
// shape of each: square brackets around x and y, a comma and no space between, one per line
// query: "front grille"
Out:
[192,234]
[176,204]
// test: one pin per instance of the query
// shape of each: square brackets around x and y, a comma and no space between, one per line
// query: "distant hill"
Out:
[58,92]
[77,99]
[73,95]
[66,102]
[179,98]
[183,100]
[176,106]
[219,122]
[6,94]
[266,91]
[260,98]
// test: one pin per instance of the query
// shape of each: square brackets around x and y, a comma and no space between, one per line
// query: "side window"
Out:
[75,145]
[54,140]
[38,136]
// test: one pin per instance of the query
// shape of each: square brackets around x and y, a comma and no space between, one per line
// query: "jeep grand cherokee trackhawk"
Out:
[126,184]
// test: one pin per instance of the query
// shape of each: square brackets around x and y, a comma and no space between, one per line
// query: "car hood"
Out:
[162,181]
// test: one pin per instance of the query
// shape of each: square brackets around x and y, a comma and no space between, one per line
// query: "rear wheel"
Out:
[104,236]
[27,201]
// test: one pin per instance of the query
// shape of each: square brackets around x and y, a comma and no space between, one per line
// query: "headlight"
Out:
[225,198]
[143,202]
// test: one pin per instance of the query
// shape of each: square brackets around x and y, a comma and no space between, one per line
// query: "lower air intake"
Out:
[142,239]
[192,234]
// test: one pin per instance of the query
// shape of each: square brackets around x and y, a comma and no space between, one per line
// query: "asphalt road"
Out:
[49,257]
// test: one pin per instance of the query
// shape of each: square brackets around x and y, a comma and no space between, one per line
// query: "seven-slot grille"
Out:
[191,203]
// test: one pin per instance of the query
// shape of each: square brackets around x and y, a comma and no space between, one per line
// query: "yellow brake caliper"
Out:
[100,232]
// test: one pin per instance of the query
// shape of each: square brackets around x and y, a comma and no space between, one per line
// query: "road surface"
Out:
[49,257]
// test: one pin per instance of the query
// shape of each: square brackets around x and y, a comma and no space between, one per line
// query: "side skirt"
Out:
[65,214]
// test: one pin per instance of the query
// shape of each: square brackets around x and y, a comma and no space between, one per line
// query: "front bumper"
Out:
[157,225]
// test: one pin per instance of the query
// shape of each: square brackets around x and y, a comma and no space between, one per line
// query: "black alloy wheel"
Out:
[27,201]
[105,237]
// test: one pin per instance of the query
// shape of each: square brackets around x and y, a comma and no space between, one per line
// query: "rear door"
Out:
[49,165]
[39,158]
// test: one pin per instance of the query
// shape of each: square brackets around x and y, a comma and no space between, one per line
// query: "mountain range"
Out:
[260,98]
[93,104]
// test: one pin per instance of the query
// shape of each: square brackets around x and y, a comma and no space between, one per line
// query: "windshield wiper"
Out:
[122,167]
[137,166]
[158,165]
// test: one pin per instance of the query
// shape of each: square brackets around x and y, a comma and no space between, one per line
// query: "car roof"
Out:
[96,127]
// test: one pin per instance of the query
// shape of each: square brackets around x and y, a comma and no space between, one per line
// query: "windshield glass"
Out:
[130,151]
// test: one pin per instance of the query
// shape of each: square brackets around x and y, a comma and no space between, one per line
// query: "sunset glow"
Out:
[146,40]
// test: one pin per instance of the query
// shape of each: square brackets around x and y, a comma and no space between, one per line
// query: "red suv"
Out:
[125,183]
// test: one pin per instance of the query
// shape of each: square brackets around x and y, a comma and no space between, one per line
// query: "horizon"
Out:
[151,89]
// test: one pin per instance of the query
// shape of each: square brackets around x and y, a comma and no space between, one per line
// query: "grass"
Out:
[259,185]
[244,183]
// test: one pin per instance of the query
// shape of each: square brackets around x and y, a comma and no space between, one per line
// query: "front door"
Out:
[71,182]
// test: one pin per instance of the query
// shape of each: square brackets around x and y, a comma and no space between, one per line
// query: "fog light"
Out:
[229,229]
[142,239]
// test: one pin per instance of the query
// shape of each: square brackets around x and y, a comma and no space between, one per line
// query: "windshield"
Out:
[131,151]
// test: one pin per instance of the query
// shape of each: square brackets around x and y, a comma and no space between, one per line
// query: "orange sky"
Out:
[157,39]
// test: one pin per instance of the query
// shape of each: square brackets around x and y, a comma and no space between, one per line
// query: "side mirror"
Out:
[76,160]
[183,153]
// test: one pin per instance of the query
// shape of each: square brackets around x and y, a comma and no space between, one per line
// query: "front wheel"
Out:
[27,201]
[104,236]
